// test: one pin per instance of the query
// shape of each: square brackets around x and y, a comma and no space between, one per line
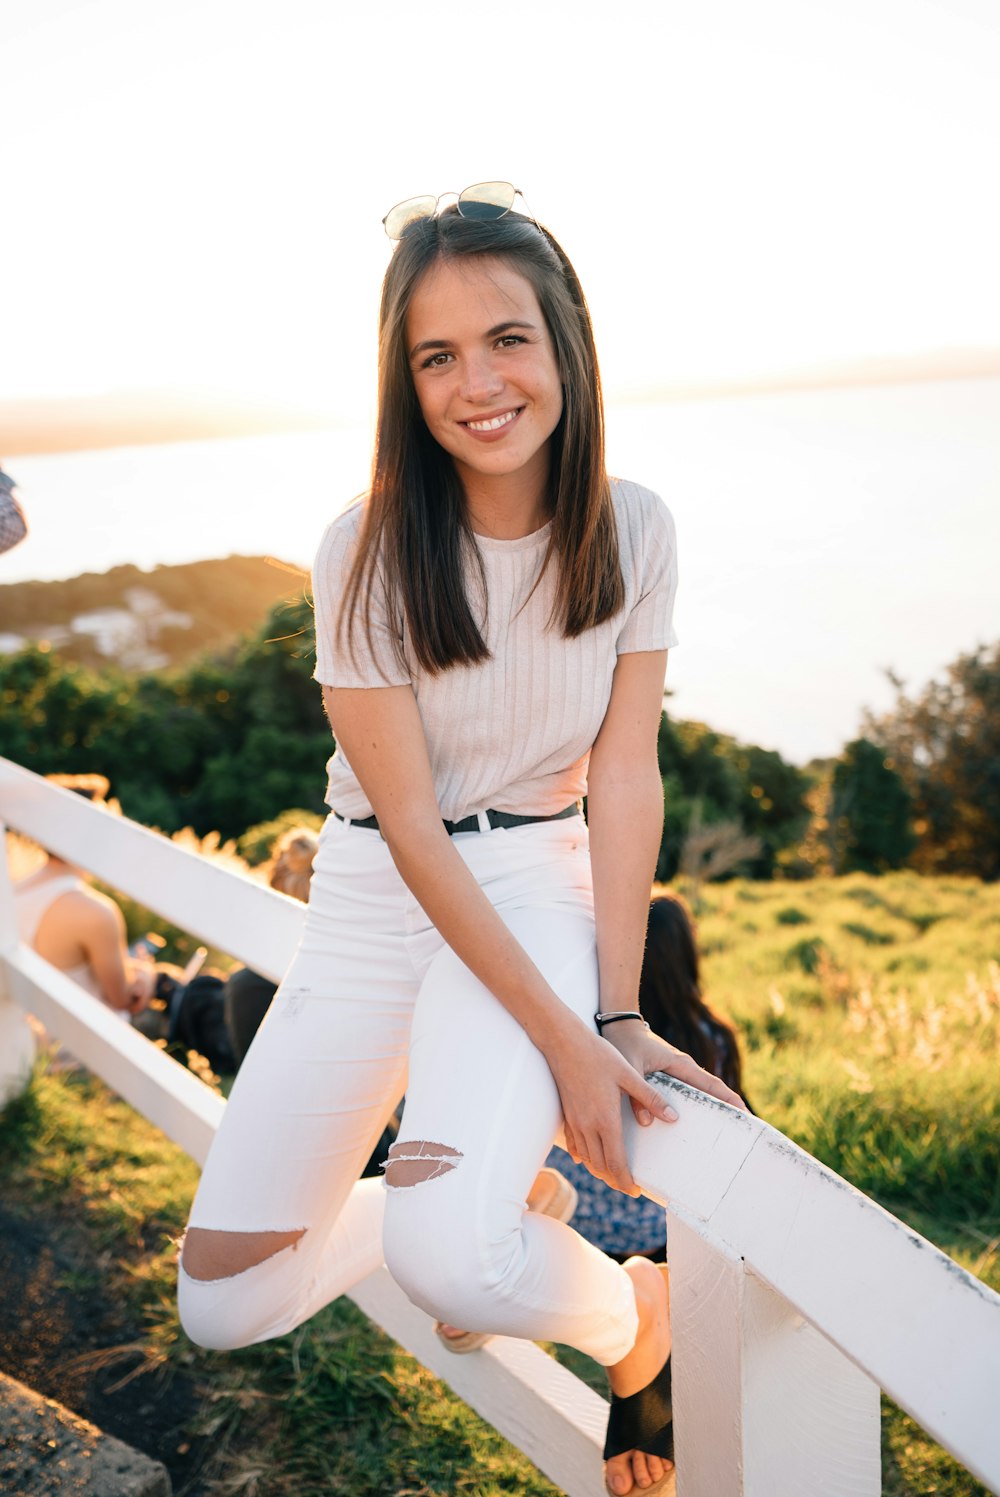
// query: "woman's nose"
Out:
[481,379]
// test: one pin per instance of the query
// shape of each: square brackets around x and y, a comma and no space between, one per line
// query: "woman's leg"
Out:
[280,1224]
[482,1110]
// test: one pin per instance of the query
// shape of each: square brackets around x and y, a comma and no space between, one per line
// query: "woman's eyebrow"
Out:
[494,332]
[428,343]
[505,327]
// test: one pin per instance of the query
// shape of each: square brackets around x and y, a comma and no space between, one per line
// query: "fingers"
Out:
[606,1158]
[641,1113]
[646,1099]
[601,1147]
[690,1072]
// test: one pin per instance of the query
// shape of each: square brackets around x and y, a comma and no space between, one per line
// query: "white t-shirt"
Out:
[513,733]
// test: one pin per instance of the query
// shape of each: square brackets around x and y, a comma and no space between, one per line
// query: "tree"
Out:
[711,779]
[871,812]
[218,746]
[772,804]
[945,744]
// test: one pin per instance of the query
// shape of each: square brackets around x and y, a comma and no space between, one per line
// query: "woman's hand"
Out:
[591,1077]
[644,1050]
[592,1073]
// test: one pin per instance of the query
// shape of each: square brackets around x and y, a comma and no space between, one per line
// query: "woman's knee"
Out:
[226,1286]
[210,1255]
[437,1245]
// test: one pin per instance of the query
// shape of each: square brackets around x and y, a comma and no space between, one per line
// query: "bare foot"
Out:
[635,1471]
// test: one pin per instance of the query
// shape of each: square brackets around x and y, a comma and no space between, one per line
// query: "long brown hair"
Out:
[670,994]
[415,534]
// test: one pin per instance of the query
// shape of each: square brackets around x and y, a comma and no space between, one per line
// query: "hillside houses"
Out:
[128,635]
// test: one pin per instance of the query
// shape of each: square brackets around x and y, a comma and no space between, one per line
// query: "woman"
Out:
[491,619]
[671,999]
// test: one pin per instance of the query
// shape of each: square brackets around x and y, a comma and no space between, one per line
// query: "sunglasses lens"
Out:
[487,200]
[398,219]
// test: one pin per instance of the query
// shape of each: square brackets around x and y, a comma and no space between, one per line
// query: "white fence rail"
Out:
[794,1297]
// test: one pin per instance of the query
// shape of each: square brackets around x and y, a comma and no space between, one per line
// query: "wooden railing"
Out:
[794,1298]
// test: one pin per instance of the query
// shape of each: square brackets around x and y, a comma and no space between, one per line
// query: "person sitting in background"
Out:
[671,1002]
[670,994]
[76,928]
[247,995]
[13,525]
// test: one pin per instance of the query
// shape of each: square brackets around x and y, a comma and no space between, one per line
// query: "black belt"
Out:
[496,820]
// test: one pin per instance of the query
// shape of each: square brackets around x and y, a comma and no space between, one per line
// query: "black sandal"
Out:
[644,1421]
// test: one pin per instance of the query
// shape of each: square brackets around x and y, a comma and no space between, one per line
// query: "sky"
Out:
[193,198]
[193,193]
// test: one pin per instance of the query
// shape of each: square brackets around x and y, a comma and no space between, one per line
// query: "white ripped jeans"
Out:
[375,1004]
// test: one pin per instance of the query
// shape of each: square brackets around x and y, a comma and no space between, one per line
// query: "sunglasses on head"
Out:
[485,200]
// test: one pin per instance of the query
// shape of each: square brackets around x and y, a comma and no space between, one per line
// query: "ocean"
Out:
[824,536]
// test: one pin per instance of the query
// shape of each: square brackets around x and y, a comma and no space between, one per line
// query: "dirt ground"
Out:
[63,1336]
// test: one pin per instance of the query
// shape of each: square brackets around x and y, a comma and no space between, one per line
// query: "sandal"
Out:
[551,1195]
[644,1421]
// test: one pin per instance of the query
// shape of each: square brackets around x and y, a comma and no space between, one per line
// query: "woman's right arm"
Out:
[382,736]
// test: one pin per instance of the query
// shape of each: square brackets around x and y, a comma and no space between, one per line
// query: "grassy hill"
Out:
[870,1016]
[224,598]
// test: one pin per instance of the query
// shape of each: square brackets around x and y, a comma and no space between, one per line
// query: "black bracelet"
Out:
[626,1013]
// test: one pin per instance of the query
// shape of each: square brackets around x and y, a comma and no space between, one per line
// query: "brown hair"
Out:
[670,994]
[291,870]
[415,532]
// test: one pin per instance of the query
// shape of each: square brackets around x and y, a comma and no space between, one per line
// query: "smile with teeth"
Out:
[494,423]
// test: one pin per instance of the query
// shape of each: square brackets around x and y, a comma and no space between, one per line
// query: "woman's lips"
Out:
[488,428]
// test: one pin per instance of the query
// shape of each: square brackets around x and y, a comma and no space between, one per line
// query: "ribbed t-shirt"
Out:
[513,733]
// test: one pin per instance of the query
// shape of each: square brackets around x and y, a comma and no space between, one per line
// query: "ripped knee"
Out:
[410,1164]
[208,1255]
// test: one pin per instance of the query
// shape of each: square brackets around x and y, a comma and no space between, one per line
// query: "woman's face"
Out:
[484,370]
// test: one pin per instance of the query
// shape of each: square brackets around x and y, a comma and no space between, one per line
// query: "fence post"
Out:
[17,1041]
[764,1405]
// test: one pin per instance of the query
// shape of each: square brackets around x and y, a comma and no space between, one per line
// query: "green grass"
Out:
[870,1011]
[872,1029]
[335,1408]
[870,1014]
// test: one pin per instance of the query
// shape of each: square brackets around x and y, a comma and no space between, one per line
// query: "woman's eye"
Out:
[436,361]
[510,340]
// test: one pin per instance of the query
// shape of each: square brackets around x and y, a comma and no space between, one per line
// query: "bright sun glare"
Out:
[194,193]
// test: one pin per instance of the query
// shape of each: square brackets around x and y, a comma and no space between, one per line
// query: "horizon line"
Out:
[152,417]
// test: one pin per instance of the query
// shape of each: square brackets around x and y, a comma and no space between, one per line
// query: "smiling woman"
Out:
[489,390]
[492,622]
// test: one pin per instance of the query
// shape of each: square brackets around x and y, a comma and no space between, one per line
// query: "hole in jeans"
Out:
[207,1255]
[412,1164]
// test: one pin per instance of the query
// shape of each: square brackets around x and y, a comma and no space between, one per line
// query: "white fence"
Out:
[794,1297]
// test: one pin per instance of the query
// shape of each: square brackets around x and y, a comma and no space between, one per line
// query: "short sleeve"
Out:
[375,660]
[649,623]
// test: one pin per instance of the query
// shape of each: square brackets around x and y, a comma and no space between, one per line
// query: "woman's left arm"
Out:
[625,818]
